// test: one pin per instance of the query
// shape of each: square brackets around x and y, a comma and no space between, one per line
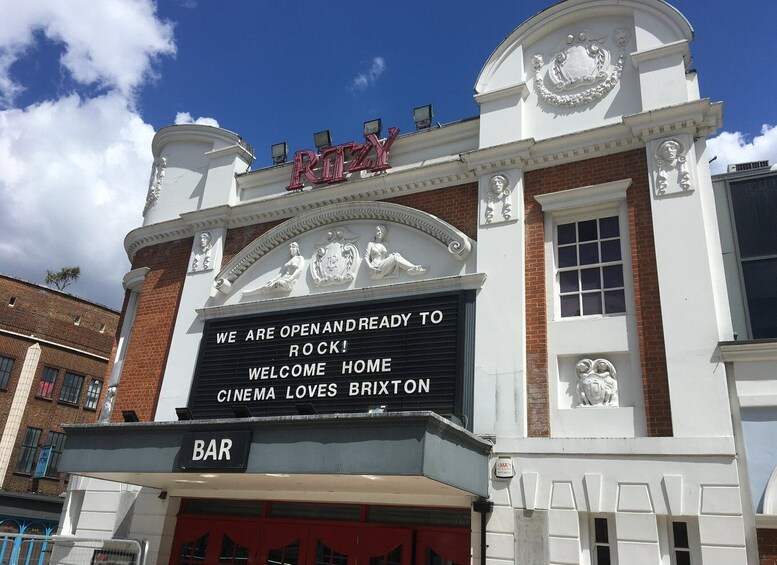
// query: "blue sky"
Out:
[84,85]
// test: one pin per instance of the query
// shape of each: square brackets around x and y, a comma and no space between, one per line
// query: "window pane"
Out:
[761,288]
[613,276]
[589,253]
[566,234]
[614,302]
[71,388]
[567,256]
[600,529]
[568,281]
[57,442]
[611,250]
[47,379]
[755,208]
[682,558]
[570,306]
[93,394]
[27,451]
[587,230]
[602,555]
[608,227]
[592,303]
[680,531]
[590,279]
[6,366]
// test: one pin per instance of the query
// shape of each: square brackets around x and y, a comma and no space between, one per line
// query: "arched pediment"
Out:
[312,225]
[660,24]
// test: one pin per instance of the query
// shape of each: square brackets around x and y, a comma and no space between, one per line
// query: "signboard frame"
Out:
[434,356]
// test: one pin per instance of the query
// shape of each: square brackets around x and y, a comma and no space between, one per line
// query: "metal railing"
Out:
[23,549]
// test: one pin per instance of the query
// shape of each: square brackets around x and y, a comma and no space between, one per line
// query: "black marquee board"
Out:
[405,354]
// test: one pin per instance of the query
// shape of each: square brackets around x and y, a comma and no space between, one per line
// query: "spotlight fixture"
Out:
[184,413]
[305,409]
[241,411]
[422,116]
[373,126]
[322,139]
[377,409]
[280,152]
[130,416]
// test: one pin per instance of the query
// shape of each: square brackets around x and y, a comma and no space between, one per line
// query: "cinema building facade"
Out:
[490,340]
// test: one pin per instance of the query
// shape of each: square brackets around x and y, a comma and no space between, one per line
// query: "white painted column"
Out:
[21,394]
[500,388]
[182,359]
[697,382]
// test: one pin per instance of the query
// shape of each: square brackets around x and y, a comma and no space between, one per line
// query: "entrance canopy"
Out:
[404,453]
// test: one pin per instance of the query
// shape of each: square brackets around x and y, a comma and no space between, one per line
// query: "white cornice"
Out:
[584,196]
[134,279]
[519,89]
[749,351]
[413,287]
[697,118]
[675,48]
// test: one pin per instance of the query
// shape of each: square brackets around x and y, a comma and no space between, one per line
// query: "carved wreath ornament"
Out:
[582,63]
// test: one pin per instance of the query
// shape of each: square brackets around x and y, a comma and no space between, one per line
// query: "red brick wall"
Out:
[631,164]
[456,205]
[49,315]
[767,546]
[152,331]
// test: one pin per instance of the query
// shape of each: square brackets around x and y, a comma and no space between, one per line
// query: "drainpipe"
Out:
[483,507]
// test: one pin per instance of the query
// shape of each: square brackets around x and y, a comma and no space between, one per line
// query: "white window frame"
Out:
[581,204]
[666,537]
[612,540]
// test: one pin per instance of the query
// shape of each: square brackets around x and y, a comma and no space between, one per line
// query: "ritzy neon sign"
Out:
[330,166]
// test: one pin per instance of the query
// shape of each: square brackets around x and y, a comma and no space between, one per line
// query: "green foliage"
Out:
[62,278]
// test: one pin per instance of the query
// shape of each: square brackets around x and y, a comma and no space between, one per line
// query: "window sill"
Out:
[65,403]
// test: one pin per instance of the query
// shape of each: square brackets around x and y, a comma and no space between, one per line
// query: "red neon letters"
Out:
[333,160]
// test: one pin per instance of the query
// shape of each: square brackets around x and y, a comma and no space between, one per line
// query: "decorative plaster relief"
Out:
[155,183]
[287,278]
[383,264]
[202,251]
[596,384]
[672,174]
[499,194]
[107,408]
[583,68]
[456,242]
[336,258]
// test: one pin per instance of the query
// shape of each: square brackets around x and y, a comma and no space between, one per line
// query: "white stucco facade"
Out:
[565,96]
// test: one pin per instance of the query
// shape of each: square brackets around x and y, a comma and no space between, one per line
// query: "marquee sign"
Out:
[403,354]
[329,167]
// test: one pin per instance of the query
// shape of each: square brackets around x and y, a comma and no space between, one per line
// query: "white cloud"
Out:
[730,148]
[363,80]
[75,175]
[186,118]
[74,170]
[110,43]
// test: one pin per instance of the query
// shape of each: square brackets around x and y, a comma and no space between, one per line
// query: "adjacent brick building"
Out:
[54,352]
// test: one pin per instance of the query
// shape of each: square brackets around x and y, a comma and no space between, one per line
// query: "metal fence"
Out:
[22,549]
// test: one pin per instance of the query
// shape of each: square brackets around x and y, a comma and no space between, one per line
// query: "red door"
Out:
[222,541]
[217,540]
